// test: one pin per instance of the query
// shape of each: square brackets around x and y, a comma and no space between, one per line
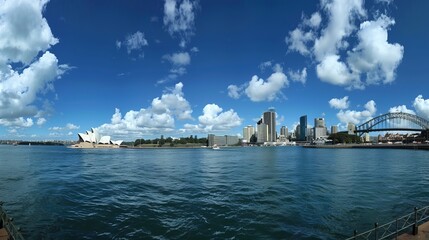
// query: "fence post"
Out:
[375,230]
[415,226]
[354,234]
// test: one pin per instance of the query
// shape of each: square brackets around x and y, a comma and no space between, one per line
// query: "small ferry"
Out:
[215,147]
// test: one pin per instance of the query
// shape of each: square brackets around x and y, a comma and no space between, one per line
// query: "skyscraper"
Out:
[269,118]
[247,133]
[334,129]
[262,133]
[303,128]
[319,128]
[283,131]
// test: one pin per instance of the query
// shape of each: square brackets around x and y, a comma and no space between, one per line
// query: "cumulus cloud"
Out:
[422,106]
[260,90]
[357,117]
[401,108]
[372,60]
[342,103]
[214,119]
[159,117]
[179,19]
[374,56]
[24,76]
[299,76]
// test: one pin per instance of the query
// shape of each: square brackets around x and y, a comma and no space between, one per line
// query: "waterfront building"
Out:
[334,129]
[320,130]
[319,122]
[248,133]
[351,128]
[303,128]
[269,118]
[283,131]
[93,139]
[225,140]
[262,132]
[297,132]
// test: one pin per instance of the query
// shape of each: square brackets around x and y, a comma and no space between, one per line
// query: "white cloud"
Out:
[24,76]
[372,60]
[260,90]
[179,19]
[24,32]
[173,104]
[315,20]
[133,42]
[342,103]
[157,118]
[234,91]
[333,71]
[195,49]
[265,65]
[71,126]
[299,76]
[342,14]
[41,121]
[68,126]
[374,56]
[401,108]
[214,119]
[298,39]
[179,59]
[357,117]
[17,122]
[422,106]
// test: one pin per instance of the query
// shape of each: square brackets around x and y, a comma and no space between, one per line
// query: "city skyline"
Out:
[141,69]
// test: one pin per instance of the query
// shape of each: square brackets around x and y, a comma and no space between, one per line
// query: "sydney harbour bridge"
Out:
[396,121]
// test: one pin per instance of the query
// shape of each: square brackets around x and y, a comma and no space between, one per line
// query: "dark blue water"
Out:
[234,193]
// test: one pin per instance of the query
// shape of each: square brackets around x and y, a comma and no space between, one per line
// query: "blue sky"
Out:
[145,68]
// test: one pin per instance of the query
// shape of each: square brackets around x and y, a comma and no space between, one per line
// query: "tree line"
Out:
[170,141]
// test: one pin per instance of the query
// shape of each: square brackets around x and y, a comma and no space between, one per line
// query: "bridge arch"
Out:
[370,125]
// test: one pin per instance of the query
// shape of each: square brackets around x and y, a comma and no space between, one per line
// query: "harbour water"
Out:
[231,193]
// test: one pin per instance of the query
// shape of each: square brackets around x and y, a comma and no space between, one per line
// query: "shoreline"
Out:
[376,146]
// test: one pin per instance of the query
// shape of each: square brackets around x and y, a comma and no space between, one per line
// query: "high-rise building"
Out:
[269,118]
[247,133]
[319,122]
[283,131]
[334,129]
[319,128]
[222,140]
[303,128]
[262,133]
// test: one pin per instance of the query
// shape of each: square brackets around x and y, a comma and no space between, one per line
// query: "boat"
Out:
[215,147]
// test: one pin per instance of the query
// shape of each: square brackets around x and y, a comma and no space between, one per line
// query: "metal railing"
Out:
[7,223]
[395,227]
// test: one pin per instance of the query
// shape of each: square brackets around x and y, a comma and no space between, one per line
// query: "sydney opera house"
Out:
[92,139]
